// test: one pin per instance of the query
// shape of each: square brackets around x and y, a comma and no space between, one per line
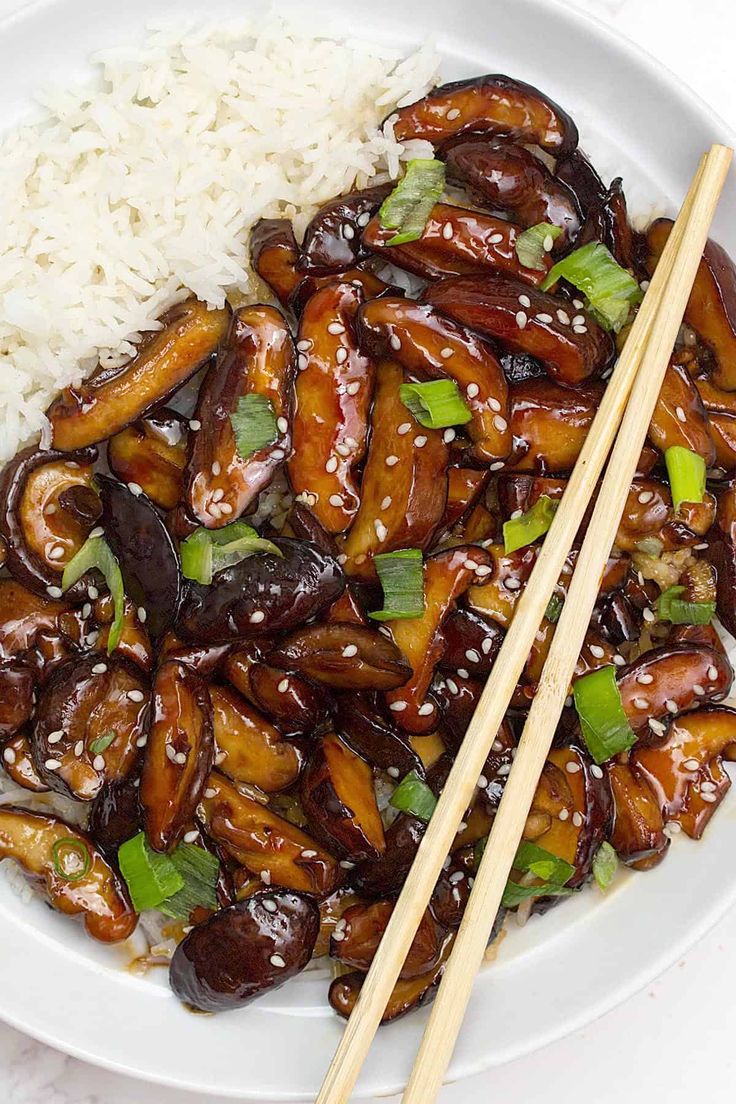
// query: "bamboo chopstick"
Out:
[461,782]
[447,1014]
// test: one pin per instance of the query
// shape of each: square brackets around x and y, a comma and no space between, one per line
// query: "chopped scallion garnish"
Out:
[96,553]
[671,607]
[200,871]
[254,424]
[436,404]
[686,473]
[102,742]
[523,530]
[410,204]
[605,865]
[603,721]
[71,859]
[611,291]
[151,877]
[554,608]
[413,796]
[208,551]
[402,578]
[552,871]
[534,244]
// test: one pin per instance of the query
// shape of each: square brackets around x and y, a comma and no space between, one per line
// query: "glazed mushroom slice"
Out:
[494,105]
[711,309]
[339,800]
[17,762]
[305,525]
[426,344]
[404,488]
[74,876]
[447,576]
[360,929]
[245,950]
[496,595]
[507,177]
[334,388]
[44,495]
[385,876]
[247,746]
[112,398]
[333,240]
[152,453]
[679,417]
[90,722]
[266,844]
[669,680]
[261,595]
[571,346]
[255,361]
[293,703]
[549,424]
[179,754]
[686,771]
[116,815]
[374,738]
[141,543]
[723,435]
[457,241]
[134,642]
[204,660]
[471,642]
[370,285]
[637,834]
[465,486]
[407,993]
[721,552]
[343,656]
[16,697]
[274,255]
[575,170]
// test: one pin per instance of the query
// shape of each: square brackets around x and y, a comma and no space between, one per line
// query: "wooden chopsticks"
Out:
[649,345]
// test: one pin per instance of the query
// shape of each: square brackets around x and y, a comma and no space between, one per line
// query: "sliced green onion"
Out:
[254,424]
[514,893]
[436,404]
[554,608]
[71,858]
[611,291]
[479,849]
[603,721]
[207,551]
[402,578]
[686,473]
[96,552]
[605,865]
[533,244]
[150,876]
[102,743]
[199,871]
[552,871]
[410,204]
[671,607]
[413,796]
[523,530]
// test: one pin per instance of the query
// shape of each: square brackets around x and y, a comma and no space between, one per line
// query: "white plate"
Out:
[562,970]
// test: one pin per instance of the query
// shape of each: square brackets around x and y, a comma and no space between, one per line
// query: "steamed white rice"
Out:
[147,183]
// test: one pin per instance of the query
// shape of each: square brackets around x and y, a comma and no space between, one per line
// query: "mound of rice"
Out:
[147,183]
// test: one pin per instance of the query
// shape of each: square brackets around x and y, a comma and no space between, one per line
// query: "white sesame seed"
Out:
[214,509]
[403,428]
[50,509]
[495,239]
[497,466]
[397,706]
[304,345]
[446,353]
[180,758]
[55,552]
[302,362]
[525,301]
[708,787]
[494,404]
[98,763]
[346,864]
[336,500]
[646,496]
[218,494]
[52,764]
[216,468]
[462,673]
[461,827]
[331,465]
[483,570]
[596,771]
[353,388]
[391,461]
[99,668]
[336,328]
[579,320]
[648,615]
[142,615]
[691,764]
[135,488]
[342,449]
[349,651]
[563,814]
[338,936]
[278,961]
[79,748]
[393,772]
[380,528]
[597,651]
[309,854]
[452,686]
[457,876]
[470,565]
[572,767]
[265,874]
[578,304]
[447,231]
[698,689]
[681,416]
[671,705]
[386,502]
[486,645]
[563,317]
[521,319]
[544,318]
[256,617]
[55,737]
[171,753]
[472,655]
[282,425]
[191,837]
[425,709]
[512,584]
[341,355]
[141,741]
[708,797]
[577,820]
[364,219]
[672,828]
[641,703]
[54,591]
[500,423]
[472,390]
[283,686]
[580,329]
[347,231]
[452,114]
[195,424]
[420,441]
[9,755]
[657,726]
[712,673]
[619,660]
[342,559]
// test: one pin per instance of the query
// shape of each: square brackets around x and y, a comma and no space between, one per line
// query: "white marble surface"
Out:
[673,1041]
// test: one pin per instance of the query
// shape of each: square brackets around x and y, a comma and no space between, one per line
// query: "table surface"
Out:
[674,1039]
